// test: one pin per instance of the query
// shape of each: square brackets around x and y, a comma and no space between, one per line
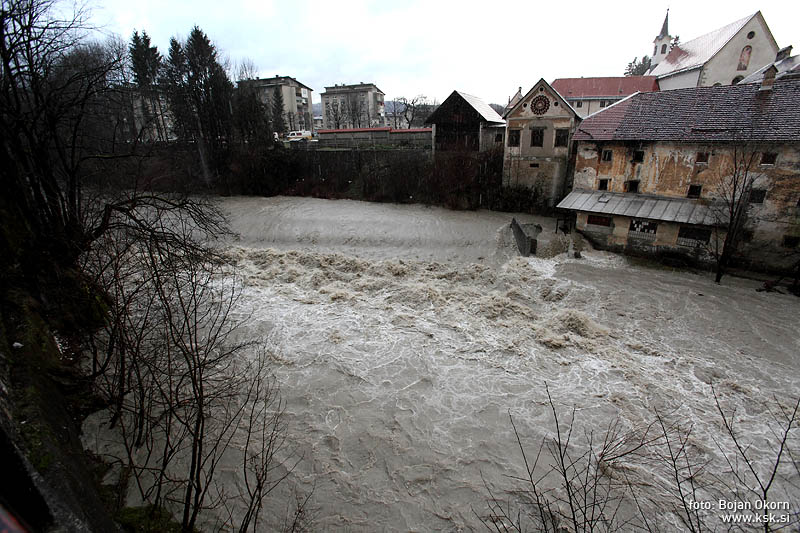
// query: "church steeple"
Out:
[662,44]
[664,27]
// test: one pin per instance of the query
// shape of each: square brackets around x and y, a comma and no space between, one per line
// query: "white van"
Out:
[299,135]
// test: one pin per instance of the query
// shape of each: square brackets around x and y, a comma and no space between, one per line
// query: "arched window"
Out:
[655,50]
[744,57]
[663,48]
[736,80]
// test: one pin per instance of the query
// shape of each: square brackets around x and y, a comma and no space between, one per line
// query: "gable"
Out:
[542,101]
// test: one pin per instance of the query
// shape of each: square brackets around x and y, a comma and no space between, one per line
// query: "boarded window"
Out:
[602,185]
[693,235]
[643,229]
[562,137]
[769,158]
[638,156]
[757,196]
[702,157]
[513,137]
[632,186]
[607,155]
[537,136]
[694,191]
[790,241]
[598,220]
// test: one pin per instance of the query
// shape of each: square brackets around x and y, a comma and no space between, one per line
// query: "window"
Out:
[606,155]
[498,137]
[790,241]
[744,58]
[768,158]
[638,156]
[632,186]
[534,165]
[655,50]
[702,157]
[562,137]
[579,103]
[537,136]
[736,80]
[513,137]
[693,236]
[751,34]
[663,48]
[643,229]
[597,220]
[694,191]
[602,185]
[603,103]
[757,196]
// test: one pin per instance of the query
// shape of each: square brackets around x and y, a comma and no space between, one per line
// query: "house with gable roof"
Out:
[589,95]
[537,152]
[724,56]
[652,172]
[465,123]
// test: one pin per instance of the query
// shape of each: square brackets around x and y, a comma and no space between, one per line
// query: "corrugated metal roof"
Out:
[697,52]
[680,210]
[483,109]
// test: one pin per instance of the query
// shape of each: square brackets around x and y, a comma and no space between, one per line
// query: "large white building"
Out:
[723,57]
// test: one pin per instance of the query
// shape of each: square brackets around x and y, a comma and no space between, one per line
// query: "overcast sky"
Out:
[431,47]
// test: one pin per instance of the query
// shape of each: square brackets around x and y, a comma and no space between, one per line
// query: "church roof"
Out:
[611,87]
[727,113]
[695,53]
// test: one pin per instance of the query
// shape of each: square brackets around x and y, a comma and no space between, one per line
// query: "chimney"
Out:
[769,78]
[783,53]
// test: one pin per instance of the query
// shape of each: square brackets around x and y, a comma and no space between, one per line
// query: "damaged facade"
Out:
[650,170]
[465,123]
[538,143]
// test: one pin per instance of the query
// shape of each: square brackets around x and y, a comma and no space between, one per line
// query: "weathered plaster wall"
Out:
[668,169]
[542,168]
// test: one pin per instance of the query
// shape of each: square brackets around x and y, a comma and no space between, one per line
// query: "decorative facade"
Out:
[538,144]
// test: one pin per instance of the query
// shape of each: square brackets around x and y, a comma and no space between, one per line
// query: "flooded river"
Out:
[404,336]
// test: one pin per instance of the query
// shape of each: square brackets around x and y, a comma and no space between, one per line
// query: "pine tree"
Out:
[146,63]
[278,122]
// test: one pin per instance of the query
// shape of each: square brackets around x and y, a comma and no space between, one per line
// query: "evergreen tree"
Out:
[638,68]
[146,63]
[278,122]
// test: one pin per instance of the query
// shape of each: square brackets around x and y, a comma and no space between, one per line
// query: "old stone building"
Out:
[722,57]
[589,95]
[654,172]
[465,123]
[358,105]
[538,143]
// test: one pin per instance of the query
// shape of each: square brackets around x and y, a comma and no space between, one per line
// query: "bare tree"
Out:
[336,112]
[735,180]
[414,109]
[356,111]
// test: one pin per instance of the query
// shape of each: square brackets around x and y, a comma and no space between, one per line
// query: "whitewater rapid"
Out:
[403,337]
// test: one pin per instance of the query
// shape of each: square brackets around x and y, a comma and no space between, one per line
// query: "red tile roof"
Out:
[728,113]
[412,130]
[618,87]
